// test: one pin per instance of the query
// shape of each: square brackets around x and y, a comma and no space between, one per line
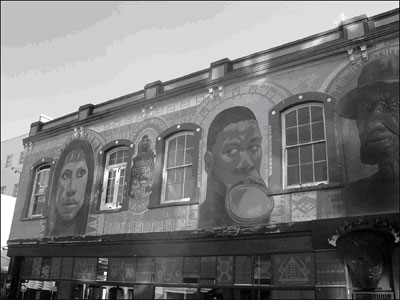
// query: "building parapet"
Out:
[350,35]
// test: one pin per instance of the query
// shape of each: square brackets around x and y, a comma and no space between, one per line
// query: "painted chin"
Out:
[69,209]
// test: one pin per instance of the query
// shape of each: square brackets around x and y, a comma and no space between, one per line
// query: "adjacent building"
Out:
[271,176]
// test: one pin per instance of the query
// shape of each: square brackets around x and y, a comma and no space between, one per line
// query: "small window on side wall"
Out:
[39,193]
[178,177]
[114,178]
[304,146]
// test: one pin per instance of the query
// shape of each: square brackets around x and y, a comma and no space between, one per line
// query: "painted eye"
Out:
[254,148]
[66,175]
[394,105]
[81,173]
[232,151]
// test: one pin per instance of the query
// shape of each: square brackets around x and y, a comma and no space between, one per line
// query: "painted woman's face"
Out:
[71,189]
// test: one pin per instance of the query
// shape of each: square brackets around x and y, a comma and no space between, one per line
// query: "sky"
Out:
[59,55]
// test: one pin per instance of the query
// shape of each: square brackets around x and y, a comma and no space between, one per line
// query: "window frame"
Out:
[160,162]
[15,190]
[26,211]
[9,160]
[165,168]
[101,183]
[276,169]
[298,145]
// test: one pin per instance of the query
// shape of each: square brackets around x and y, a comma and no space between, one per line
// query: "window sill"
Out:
[178,203]
[110,210]
[322,186]
[33,218]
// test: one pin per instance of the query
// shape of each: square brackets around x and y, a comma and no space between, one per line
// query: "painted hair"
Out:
[77,150]
[224,118]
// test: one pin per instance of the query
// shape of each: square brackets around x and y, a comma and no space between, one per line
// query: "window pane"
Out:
[293,156]
[291,136]
[320,171]
[172,145]
[181,142]
[171,159]
[293,175]
[188,189]
[306,173]
[316,114]
[304,115]
[179,157]
[318,131]
[169,193]
[38,205]
[112,159]
[179,174]
[171,176]
[189,141]
[319,151]
[291,119]
[188,173]
[304,134]
[305,154]
[178,190]
[188,156]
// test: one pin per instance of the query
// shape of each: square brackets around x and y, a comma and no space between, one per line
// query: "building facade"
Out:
[271,176]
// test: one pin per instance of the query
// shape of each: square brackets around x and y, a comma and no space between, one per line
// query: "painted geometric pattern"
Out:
[225,269]
[295,268]
[304,206]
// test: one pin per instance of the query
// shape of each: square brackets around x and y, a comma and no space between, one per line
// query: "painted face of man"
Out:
[378,126]
[146,143]
[237,154]
[71,189]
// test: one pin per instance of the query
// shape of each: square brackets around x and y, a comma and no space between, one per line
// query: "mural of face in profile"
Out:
[71,189]
[374,105]
[236,193]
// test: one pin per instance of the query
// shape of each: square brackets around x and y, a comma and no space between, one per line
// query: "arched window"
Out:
[39,191]
[37,195]
[114,178]
[304,145]
[177,172]
[176,166]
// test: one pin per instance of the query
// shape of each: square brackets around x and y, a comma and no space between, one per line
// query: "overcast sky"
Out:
[57,56]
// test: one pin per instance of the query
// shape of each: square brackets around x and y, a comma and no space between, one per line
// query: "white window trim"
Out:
[164,172]
[284,152]
[32,199]
[107,168]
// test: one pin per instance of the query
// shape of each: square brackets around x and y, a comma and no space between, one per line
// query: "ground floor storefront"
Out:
[290,261]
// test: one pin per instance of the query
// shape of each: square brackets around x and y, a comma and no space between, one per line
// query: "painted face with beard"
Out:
[378,126]
[72,185]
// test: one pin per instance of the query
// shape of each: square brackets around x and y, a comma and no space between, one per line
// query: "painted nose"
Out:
[245,164]
[375,122]
[71,188]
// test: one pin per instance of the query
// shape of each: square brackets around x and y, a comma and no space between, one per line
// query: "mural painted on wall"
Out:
[142,171]
[236,192]
[374,105]
[70,195]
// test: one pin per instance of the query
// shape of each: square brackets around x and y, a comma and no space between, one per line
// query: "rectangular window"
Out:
[3,190]
[178,176]
[39,191]
[114,178]
[9,161]
[304,146]
[15,191]
[21,158]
